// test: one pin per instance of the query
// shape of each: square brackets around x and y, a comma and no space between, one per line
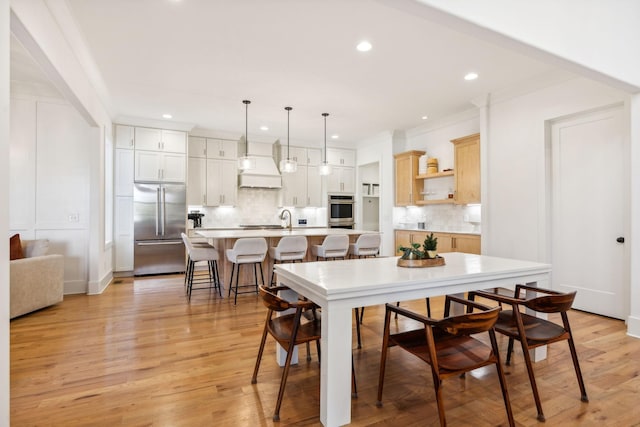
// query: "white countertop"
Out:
[241,233]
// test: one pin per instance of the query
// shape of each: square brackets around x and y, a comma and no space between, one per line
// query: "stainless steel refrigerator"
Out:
[159,212]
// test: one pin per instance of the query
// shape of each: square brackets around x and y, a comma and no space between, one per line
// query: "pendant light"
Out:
[325,168]
[287,165]
[245,162]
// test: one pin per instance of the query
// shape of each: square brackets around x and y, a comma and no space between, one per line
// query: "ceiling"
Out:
[198,59]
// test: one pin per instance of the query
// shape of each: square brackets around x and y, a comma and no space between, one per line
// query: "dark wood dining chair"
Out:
[289,331]
[533,331]
[447,346]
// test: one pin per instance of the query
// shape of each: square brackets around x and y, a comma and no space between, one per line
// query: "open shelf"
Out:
[435,175]
[434,202]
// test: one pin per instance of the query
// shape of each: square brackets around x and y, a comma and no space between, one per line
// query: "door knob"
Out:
[620,240]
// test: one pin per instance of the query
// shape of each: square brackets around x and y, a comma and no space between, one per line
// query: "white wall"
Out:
[49,181]
[514,220]
[4,213]
[42,27]
[380,149]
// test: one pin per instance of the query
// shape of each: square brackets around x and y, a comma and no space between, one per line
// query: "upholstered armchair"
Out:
[37,280]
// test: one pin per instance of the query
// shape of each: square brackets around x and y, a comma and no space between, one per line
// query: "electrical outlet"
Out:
[74,217]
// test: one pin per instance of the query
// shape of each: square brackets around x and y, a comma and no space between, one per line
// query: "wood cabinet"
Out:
[408,188]
[447,242]
[467,169]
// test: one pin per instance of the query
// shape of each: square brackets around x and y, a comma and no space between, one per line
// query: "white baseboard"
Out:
[96,288]
[75,287]
[633,326]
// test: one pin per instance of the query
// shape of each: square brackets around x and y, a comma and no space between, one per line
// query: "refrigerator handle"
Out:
[164,210]
[158,213]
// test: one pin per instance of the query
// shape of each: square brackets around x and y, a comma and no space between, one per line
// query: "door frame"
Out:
[545,199]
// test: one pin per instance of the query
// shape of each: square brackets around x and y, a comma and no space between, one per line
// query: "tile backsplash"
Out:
[257,206]
[454,218]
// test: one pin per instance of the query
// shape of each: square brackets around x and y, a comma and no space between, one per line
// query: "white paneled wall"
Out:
[49,181]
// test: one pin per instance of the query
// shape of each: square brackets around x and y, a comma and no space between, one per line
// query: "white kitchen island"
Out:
[340,286]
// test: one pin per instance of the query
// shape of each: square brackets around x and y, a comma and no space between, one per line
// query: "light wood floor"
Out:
[141,355]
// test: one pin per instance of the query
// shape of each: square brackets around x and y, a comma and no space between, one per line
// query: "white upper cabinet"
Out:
[159,167]
[341,180]
[314,186]
[124,136]
[160,140]
[302,188]
[341,157]
[222,182]
[222,149]
[198,147]
[314,156]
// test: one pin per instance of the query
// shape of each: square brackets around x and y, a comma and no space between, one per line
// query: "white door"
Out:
[589,206]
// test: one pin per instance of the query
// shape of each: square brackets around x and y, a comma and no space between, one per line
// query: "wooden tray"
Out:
[420,263]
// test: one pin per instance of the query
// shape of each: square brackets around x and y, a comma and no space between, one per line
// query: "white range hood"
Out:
[266,173]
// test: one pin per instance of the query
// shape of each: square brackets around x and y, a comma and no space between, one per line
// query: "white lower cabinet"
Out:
[222,183]
[159,167]
[341,180]
[123,234]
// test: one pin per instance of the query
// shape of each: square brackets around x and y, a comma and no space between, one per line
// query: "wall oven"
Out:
[341,212]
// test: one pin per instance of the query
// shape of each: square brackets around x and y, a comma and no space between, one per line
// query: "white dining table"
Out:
[340,286]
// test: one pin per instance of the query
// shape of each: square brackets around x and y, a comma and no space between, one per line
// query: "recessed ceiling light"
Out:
[335,136]
[364,46]
[471,76]
[167,116]
[425,117]
[264,128]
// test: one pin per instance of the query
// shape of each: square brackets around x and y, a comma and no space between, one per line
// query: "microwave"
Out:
[341,209]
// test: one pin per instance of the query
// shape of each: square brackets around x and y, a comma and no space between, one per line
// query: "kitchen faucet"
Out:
[282,217]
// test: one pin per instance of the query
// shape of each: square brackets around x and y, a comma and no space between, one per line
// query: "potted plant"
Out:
[412,252]
[431,246]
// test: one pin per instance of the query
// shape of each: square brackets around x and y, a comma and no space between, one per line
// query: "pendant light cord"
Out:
[288,111]
[246,127]
[325,136]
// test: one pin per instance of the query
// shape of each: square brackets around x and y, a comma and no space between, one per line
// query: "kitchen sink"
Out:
[261,226]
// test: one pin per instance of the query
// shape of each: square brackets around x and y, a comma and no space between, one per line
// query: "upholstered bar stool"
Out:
[367,245]
[196,254]
[289,249]
[250,250]
[333,246]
